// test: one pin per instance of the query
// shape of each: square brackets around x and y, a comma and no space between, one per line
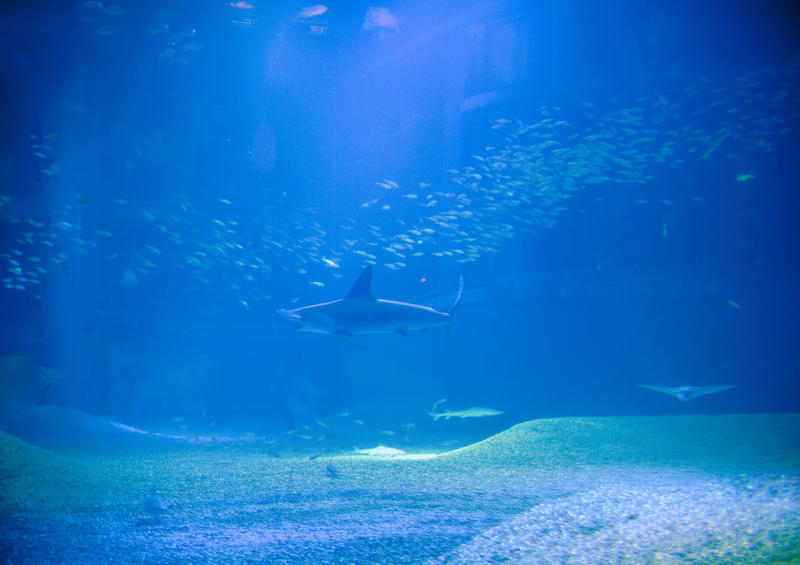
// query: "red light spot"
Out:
[423,280]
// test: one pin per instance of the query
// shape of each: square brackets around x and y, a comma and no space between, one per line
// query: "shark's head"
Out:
[300,323]
[307,320]
[291,315]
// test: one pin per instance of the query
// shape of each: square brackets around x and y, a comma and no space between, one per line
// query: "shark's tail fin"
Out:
[452,309]
[434,414]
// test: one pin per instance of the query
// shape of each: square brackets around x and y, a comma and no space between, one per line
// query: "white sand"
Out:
[688,489]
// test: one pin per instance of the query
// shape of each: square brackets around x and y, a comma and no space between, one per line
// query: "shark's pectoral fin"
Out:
[347,336]
[402,331]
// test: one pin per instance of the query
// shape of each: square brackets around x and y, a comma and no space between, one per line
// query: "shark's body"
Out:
[471,412]
[687,393]
[361,313]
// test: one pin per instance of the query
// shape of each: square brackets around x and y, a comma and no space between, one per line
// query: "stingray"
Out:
[379,451]
[686,393]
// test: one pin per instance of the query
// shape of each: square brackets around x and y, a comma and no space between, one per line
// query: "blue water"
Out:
[616,183]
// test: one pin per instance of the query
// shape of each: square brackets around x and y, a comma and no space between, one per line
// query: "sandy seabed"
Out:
[683,489]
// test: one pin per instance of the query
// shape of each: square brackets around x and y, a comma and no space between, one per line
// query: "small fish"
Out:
[312,11]
[734,305]
[330,263]
[316,283]
[191,46]
[157,28]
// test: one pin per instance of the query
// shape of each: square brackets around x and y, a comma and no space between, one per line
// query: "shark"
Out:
[687,393]
[471,412]
[359,312]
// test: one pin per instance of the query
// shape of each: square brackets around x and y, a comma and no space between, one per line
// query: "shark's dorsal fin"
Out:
[362,290]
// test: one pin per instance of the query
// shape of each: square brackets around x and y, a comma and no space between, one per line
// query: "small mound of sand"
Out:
[766,442]
[29,475]
[678,518]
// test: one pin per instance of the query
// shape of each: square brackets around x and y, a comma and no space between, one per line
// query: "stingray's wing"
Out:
[704,390]
[666,390]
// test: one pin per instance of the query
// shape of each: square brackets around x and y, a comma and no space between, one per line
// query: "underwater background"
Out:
[616,182]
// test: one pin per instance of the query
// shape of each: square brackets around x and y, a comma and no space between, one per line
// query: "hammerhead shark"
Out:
[359,312]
